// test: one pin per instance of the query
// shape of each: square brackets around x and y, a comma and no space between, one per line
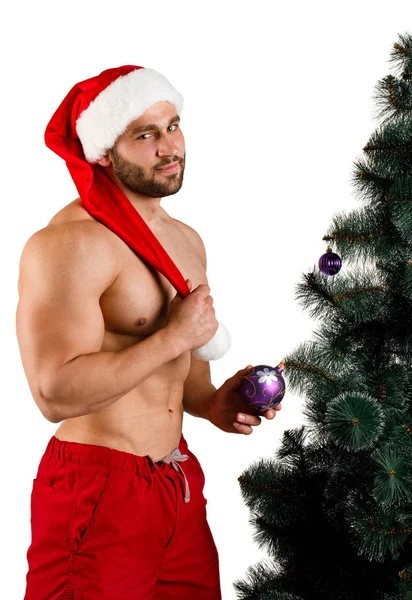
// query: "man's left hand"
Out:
[226,408]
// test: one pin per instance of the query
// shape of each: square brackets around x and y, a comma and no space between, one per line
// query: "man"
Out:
[107,349]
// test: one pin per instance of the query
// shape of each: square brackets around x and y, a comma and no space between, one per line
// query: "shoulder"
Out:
[71,236]
[71,228]
[81,243]
[73,211]
[194,238]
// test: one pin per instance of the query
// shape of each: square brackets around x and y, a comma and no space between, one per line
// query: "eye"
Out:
[142,137]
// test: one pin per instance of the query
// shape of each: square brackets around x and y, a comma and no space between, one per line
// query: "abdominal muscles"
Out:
[147,420]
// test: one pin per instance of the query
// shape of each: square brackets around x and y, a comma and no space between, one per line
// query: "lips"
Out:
[170,167]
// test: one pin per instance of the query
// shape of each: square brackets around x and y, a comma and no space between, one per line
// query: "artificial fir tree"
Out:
[333,508]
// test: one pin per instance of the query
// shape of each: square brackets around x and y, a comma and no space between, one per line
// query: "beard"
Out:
[135,178]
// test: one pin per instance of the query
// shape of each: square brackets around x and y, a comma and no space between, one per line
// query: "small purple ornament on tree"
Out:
[263,387]
[330,262]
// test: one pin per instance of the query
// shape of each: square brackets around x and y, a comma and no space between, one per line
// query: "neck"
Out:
[148,208]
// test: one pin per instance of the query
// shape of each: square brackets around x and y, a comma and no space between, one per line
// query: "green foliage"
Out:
[354,421]
[333,507]
[393,482]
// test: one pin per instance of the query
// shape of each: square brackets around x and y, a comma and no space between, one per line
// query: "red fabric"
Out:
[110,525]
[100,196]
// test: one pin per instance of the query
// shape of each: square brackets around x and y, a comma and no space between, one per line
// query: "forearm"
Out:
[93,381]
[198,402]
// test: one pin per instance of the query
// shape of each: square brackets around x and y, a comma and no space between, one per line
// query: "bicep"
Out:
[58,315]
[199,372]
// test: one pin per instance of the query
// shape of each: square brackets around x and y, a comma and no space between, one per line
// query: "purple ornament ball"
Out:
[262,387]
[330,263]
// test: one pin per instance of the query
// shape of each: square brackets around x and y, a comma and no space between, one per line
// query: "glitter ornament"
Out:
[330,262]
[263,387]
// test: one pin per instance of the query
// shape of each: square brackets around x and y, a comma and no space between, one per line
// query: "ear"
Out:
[106,160]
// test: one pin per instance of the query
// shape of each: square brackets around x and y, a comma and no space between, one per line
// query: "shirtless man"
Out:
[106,345]
[101,344]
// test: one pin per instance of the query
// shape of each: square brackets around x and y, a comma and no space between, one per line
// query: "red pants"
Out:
[111,525]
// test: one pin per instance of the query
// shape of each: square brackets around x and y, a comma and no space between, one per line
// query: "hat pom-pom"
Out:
[216,347]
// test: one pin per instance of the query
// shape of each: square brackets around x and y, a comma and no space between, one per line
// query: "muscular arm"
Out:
[64,269]
[198,388]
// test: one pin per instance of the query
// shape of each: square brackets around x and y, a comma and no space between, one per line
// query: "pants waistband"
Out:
[105,456]
[91,454]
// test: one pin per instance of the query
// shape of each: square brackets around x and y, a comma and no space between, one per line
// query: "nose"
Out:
[167,146]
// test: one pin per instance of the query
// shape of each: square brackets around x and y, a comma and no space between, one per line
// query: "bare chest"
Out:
[136,304]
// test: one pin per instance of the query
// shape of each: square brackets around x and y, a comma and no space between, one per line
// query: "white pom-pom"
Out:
[216,347]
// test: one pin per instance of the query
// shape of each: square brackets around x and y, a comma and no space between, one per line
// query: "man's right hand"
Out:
[192,319]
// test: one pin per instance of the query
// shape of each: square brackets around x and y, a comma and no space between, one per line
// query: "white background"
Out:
[277,106]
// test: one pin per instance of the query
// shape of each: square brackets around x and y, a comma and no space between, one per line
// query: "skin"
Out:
[133,305]
[131,164]
[135,160]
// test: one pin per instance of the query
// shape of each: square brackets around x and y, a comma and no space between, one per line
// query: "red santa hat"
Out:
[91,117]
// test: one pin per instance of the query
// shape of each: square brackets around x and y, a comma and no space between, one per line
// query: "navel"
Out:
[141,321]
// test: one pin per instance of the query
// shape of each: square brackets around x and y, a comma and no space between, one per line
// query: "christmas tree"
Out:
[333,508]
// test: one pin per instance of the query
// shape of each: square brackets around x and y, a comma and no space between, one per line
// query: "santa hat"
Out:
[91,117]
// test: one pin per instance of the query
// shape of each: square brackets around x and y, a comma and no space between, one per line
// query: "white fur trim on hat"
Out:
[215,347]
[123,101]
